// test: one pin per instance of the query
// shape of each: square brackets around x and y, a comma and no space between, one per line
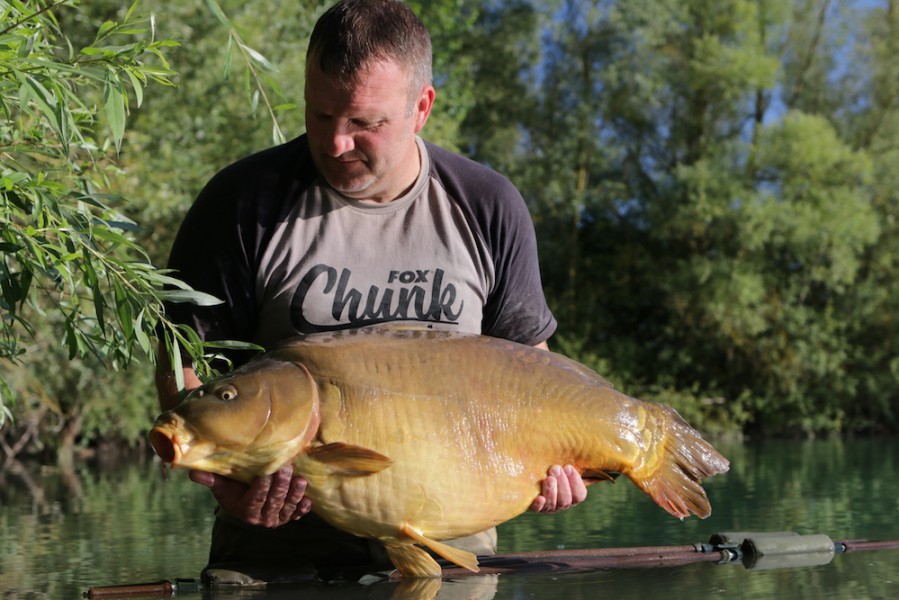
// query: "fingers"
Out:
[204,478]
[578,487]
[286,499]
[284,502]
[546,501]
[555,488]
[295,503]
[539,503]
[269,501]
[562,489]
[276,487]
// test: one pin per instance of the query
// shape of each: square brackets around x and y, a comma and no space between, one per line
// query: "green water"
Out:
[62,533]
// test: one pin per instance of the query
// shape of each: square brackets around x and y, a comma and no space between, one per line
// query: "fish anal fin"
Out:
[592,476]
[348,460]
[463,558]
[412,561]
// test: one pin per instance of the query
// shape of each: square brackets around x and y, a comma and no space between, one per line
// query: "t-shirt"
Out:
[289,255]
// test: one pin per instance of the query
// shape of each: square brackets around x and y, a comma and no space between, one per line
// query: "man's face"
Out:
[362,135]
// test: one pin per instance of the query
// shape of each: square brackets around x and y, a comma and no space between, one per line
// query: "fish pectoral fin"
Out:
[592,476]
[412,561]
[463,558]
[348,460]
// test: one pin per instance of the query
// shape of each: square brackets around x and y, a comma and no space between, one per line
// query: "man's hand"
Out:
[562,489]
[269,501]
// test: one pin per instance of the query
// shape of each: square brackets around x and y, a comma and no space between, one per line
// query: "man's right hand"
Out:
[270,501]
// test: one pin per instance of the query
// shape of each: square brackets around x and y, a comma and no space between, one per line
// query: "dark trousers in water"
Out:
[304,550]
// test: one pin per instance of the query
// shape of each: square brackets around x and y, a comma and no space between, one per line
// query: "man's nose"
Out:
[338,142]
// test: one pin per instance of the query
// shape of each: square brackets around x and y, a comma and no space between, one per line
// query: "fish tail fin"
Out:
[685,459]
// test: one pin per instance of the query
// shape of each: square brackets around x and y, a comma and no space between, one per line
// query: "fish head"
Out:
[244,424]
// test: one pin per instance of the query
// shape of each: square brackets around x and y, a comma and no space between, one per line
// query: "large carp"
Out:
[416,436]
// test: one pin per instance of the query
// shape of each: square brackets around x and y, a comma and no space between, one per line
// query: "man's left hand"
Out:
[270,501]
[562,489]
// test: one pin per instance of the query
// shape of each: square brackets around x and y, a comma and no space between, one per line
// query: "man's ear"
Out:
[423,106]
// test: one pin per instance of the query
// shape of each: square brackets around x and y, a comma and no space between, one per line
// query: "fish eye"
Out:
[227,393]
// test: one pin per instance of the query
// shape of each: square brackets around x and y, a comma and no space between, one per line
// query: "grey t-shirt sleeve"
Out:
[516,307]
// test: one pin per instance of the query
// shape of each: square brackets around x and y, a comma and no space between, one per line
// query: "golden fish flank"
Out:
[396,430]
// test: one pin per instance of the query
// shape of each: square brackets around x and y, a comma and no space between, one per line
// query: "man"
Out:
[357,222]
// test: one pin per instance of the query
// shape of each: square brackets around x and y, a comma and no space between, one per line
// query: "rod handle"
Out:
[157,588]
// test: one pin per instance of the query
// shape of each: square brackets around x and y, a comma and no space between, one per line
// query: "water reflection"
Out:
[62,532]
[468,588]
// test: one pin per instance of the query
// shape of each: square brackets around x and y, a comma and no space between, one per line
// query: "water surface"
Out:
[64,532]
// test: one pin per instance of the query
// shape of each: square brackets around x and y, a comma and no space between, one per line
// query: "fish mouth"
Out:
[179,448]
[165,445]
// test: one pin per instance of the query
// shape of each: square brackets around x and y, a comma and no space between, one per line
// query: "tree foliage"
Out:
[712,197]
[70,268]
[713,185]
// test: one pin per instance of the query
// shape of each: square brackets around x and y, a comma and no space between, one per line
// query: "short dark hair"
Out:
[352,33]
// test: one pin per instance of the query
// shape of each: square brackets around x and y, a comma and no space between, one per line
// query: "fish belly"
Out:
[446,478]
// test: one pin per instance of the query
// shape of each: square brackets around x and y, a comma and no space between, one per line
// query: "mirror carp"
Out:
[414,436]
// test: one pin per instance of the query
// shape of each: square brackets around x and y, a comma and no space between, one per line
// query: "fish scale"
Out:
[416,436]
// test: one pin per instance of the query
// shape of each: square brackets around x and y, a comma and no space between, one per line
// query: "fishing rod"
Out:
[754,550]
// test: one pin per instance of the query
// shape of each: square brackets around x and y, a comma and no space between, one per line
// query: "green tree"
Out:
[70,269]
[870,121]
[712,222]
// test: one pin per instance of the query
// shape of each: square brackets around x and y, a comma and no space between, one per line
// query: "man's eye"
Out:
[369,125]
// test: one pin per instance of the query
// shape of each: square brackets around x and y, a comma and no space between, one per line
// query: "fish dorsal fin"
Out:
[412,561]
[348,460]
[463,558]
